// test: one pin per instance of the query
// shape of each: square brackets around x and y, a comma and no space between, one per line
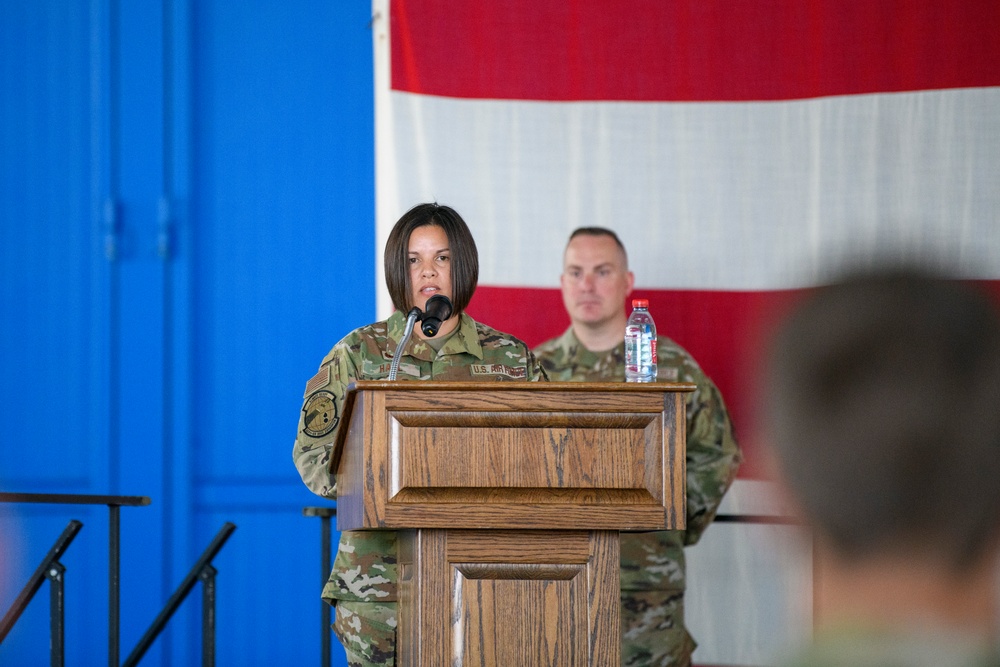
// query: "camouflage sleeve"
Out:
[713,455]
[319,420]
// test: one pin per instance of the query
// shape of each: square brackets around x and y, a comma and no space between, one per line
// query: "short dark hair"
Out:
[464,255]
[883,407]
[599,231]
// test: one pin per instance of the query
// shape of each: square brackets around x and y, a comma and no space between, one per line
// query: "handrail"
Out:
[203,570]
[766,519]
[50,568]
[325,514]
[114,503]
[74,499]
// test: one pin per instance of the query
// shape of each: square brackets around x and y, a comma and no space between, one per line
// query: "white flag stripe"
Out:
[727,196]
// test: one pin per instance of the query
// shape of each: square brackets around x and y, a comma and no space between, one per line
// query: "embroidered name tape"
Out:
[499,369]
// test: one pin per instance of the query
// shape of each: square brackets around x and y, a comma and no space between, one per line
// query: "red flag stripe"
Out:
[691,50]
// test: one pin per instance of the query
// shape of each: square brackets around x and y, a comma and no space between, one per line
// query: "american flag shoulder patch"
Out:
[318,381]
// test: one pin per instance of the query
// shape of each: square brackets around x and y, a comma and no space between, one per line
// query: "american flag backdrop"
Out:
[742,150]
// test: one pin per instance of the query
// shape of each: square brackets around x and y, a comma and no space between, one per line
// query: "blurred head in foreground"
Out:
[883,410]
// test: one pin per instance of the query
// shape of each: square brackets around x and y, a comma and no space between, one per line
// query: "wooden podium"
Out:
[510,496]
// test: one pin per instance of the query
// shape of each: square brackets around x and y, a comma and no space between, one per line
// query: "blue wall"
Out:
[186,228]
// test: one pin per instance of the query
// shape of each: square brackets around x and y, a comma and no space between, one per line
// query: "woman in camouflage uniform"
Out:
[430,251]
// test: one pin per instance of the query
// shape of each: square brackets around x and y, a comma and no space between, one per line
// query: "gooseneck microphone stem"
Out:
[411,319]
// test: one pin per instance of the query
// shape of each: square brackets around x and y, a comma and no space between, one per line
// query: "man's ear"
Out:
[631,282]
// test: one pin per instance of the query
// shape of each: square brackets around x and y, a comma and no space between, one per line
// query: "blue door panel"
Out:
[283,199]
[53,391]
[283,195]
[49,399]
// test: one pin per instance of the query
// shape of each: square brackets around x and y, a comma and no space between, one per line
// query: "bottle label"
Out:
[640,353]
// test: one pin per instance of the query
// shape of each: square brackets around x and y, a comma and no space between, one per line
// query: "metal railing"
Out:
[50,568]
[201,571]
[114,503]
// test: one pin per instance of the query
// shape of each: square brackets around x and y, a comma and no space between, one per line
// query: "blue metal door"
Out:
[187,202]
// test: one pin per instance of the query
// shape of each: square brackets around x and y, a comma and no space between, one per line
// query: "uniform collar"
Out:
[581,356]
[465,340]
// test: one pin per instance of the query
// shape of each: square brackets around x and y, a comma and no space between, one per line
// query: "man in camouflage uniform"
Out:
[883,409]
[430,251]
[595,283]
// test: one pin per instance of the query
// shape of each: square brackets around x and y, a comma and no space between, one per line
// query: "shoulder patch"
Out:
[320,414]
[318,381]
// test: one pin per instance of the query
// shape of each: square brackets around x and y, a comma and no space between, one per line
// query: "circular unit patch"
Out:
[320,414]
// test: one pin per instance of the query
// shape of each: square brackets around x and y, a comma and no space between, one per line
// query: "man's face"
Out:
[595,281]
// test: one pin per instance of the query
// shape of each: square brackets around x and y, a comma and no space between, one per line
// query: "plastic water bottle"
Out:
[640,344]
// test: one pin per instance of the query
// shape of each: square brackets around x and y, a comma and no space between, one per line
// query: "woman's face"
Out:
[430,264]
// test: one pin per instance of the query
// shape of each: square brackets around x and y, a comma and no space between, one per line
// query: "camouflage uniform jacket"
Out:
[365,567]
[655,561]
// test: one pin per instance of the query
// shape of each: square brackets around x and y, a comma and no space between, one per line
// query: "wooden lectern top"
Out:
[512,455]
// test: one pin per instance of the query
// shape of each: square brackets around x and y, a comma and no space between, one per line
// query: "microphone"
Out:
[436,310]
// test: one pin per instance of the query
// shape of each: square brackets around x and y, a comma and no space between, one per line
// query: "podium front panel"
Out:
[486,598]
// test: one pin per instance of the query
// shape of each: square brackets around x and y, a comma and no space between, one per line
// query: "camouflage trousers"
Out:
[653,632]
[368,632]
